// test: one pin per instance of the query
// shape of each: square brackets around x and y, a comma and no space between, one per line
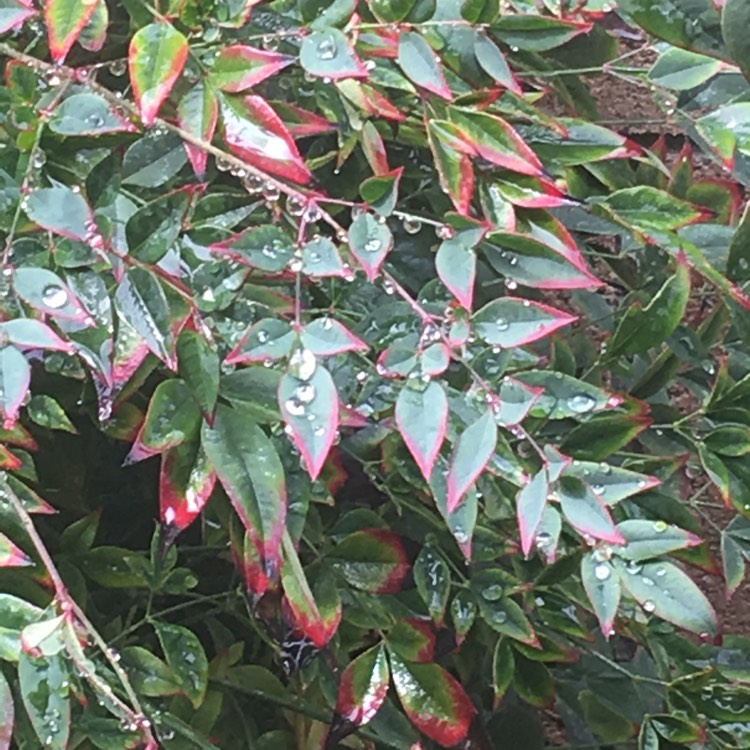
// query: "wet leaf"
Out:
[602,584]
[494,62]
[61,210]
[372,560]
[645,539]
[452,155]
[610,483]
[648,209]
[12,556]
[27,333]
[12,14]
[186,658]
[370,242]
[433,700]
[46,412]
[266,340]
[530,504]
[661,588]
[157,55]
[321,258]
[198,114]
[326,53]
[585,511]
[432,577]
[87,114]
[186,482]
[363,687]
[310,408]
[326,337]
[456,263]
[265,247]
[15,376]
[199,368]
[564,396]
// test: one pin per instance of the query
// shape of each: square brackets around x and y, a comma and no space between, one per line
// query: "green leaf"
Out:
[738,260]
[643,328]
[370,242]
[65,20]
[509,322]
[154,228]
[153,160]
[564,396]
[422,419]
[733,562]
[87,115]
[647,539]
[585,511]
[735,17]
[44,686]
[149,674]
[681,70]
[456,265]
[142,302]
[503,668]
[327,54]
[417,60]
[265,247]
[531,501]
[648,209]
[463,519]
[198,114]
[186,658]
[325,337]
[433,700]
[536,32]
[15,376]
[390,11]
[156,57]
[432,577]
[321,258]
[663,589]
[372,560]
[251,472]
[12,14]
[455,170]
[17,614]
[609,725]
[603,589]
[94,33]
[729,440]
[610,483]
[310,408]
[62,211]
[46,412]
[240,67]
[199,368]
[266,340]
[494,62]
[463,613]
[363,687]
[506,617]
[473,450]
[257,389]
[7,710]
[603,435]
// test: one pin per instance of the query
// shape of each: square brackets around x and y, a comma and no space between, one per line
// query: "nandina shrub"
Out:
[351,395]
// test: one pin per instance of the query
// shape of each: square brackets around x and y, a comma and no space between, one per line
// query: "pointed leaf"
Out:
[251,472]
[463,519]
[27,333]
[321,259]
[422,419]
[65,20]
[186,482]
[326,53]
[585,511]
[531,501]
[300,598]
[646,539]
[186,658]
[602,584]
[46,412]
[564,396]
[463,613]
[649,209]
[610,483]
[198,113]
[433,700]
[61,210]
[311,410]
[417,60]
[363,687]
[12,556]
[510,322]
[370,242]
[472,452]
[87,114]
[453,163]
[516,400]
[372,560]
[493,62]
[266,340]
[326,337]
[15,376]
[256,134]
[413,639]
[505,616]
[661,588]
[240,67]
[157,55]
[94,33]
[12,14]
[503,668]
[265,247]
[456,264]
[142,302]
[432,577]
[733,563]
[46,291]
[199,368]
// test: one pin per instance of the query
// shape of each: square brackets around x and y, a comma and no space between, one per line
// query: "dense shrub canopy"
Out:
[360,384]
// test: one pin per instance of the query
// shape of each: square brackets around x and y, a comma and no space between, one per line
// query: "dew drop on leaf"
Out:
[581,403]
[302,364]
[327,48]
[660,526]
[411,225]
[492,593]
[602,572]
[305,394]
[54,296]
[649,606]
[502,324]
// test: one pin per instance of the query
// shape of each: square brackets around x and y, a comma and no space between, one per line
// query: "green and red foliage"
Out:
[350,396]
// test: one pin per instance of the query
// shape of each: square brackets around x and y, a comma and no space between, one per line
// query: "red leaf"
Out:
[186,482]
[453,163]
[65,20]
[255,133]
[433,700]
[156,58]
[8,460]
[240,67]
[300,122]
[374,149]
[198,113]
[369,100]
[363,687]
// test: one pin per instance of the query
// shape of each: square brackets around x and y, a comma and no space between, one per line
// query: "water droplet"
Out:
[373,245]
[602,572]
[40,158]
[118,67]
[388,287]
[598,489]
[302,364]
[646,581]
[581,403]
[270,42]
[493,592]
[511,285]
[649,606]
[327,48]
[253,184]
[305,393]
[294,407]
[312,213]
[295,265]
[412,225]
[499,617]
[543,539]
[660,527]
[271,192]
[502,324]
[222,164]
[319,431]
[54,296]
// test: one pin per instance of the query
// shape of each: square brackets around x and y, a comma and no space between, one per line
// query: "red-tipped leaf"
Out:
[473,451]
[198,113]
[240,67]
[363,687]
[65,21]
[186,482]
